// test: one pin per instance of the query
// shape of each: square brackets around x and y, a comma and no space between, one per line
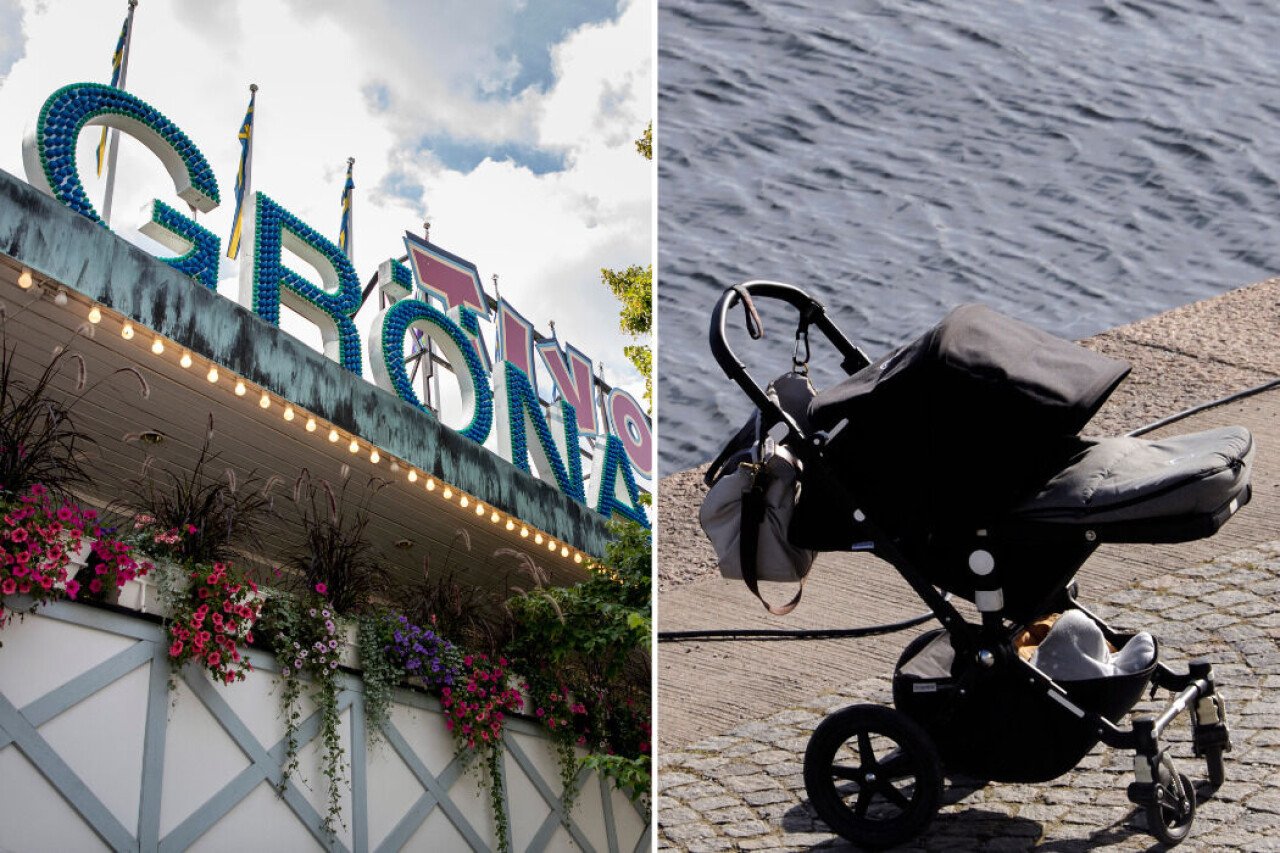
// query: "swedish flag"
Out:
[242,175]
[344,232]
[117,63]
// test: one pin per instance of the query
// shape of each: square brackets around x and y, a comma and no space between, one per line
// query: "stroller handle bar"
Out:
[812,312]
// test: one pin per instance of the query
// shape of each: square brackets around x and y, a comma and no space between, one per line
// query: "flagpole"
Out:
[351,215]
[248,212]
[114,142]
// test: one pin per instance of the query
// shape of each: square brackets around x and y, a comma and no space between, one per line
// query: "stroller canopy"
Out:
[967,419]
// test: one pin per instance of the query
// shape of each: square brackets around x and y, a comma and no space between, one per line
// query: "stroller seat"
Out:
[1133,490]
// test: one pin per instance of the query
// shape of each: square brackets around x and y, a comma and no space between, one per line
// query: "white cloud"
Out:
[320,66]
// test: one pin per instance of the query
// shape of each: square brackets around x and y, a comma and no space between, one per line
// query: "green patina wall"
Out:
[57,243]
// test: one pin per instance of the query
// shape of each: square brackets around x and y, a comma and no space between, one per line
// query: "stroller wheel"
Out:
[873,775]
[1171,823]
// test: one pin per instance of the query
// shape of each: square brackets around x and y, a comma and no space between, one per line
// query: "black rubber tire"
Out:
[1165,825]
[1217,767]
[902,812]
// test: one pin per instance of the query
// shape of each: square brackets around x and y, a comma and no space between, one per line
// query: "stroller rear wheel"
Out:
[873,775]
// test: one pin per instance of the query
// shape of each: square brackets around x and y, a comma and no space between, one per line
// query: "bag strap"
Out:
[744,439]
[753,510]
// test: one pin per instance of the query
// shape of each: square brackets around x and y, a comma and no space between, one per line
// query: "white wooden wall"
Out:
[97,753]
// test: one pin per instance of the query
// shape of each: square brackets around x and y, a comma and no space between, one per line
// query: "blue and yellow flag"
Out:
[117,62]
[344,231]
[246,141]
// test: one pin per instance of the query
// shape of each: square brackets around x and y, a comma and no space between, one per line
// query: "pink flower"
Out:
[9,587]
[175,649]
[73,589]
[323,589]
[95,585]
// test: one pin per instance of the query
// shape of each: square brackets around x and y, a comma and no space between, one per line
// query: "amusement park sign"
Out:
[436,296]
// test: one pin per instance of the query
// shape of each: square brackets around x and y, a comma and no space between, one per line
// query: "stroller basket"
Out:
[1000,731]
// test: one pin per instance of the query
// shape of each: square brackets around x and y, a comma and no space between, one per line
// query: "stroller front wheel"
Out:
[873,775]
[1170,822]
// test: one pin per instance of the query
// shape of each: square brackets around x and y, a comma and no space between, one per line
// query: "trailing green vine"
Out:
[306,641]
[380,671]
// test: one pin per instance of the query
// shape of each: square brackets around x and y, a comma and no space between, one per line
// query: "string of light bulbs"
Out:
[290,413]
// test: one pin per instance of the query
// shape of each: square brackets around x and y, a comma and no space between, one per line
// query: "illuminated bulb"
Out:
[447,493]
[537,539]
[212,375]
[551,546]
[353,446]
[511,525]
[494,518]
[240,389]
[564,551]
[95,315]
[413,476]
[185,361]
[265,400]
[577,558]
[462,501]
[311,424]
[374,456]
[524,533]
[333,435]
[126,331]
[157,346]
[24,279]
[479,509]
[288,413]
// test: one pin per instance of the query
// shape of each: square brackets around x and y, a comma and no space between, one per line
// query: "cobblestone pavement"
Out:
[744,790]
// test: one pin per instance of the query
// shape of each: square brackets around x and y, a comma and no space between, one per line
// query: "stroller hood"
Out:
[999,367]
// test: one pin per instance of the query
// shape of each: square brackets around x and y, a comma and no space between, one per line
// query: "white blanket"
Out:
[1075,650]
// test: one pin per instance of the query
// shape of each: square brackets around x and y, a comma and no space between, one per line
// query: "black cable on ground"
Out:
[732,634]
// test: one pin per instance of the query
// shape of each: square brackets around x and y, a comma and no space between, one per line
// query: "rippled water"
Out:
[1078,166]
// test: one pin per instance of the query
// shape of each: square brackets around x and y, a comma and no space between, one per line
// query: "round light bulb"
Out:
[265,400]
[95,314]
[311,424]
[511,525]
[413,476]
[524,533]
[564,551]
[374,456]
[185,361]
[577,558]
[60,298]
[157,346]
[551,546]
[463,501]
[240,389]
[333,435]
[447,493]
[126,331]
[212,375]
[537,539]
[24,279]
[288,413]
[479,509]
[353,446]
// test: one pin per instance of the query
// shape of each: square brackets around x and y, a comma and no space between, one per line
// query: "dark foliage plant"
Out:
[335,549]
[212,511]
[39,439]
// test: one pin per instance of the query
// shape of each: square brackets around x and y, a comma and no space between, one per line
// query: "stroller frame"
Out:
[1167,797]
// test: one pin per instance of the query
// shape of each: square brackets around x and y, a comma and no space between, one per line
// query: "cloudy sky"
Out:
[508,123]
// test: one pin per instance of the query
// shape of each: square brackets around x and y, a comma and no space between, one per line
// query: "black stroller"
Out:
[957,459]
